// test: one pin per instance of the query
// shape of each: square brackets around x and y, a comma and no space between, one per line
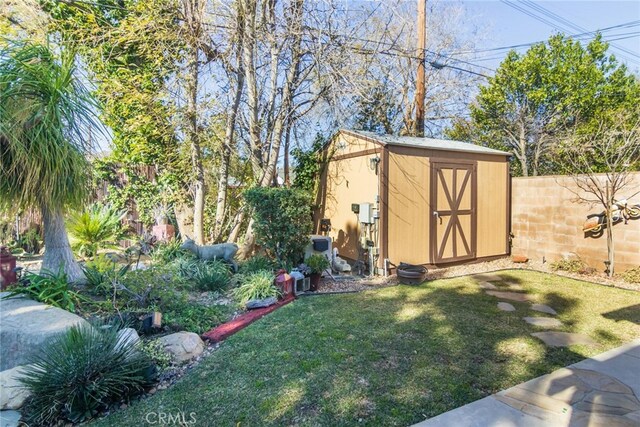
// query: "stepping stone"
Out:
[512,296]
[505,306]
[487,285]
[563,339]
[514,287]
[543,322]
[487,277]
[543,309]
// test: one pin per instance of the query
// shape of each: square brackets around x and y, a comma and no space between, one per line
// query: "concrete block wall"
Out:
[546,221]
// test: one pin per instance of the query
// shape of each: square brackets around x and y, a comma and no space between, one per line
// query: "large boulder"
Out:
[9,418]
[12,392]
[26,326]
[183,346]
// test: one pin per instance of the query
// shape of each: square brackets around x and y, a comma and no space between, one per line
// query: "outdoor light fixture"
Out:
[373,162]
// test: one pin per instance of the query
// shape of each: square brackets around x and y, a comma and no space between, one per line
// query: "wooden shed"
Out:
[434,202]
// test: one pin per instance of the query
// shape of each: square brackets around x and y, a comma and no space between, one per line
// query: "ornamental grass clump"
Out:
[81,373]
[256,286]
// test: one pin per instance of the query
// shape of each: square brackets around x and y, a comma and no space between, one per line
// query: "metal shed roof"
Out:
[428,143]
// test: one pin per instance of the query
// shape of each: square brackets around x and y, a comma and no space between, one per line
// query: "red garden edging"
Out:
[225,330]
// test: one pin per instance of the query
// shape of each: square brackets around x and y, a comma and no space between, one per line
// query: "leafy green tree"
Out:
[308,165]
[132,50]
[44,116]
[282,221]
[534,98]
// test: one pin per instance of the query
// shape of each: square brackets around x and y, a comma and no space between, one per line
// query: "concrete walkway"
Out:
[600,391]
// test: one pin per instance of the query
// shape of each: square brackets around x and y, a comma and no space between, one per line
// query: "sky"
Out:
[505,25]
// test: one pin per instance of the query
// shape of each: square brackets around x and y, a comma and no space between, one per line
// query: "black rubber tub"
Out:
[411,274]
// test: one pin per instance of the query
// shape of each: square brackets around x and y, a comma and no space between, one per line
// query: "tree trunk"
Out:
[183,220]
[223,175]
[57,251]
[248,57]
[287,143]
[196,154]
[610,247]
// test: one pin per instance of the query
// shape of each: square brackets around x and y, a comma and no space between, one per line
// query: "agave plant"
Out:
[95,228]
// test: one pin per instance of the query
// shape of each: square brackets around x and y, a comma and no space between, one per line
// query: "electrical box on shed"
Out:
[366,213]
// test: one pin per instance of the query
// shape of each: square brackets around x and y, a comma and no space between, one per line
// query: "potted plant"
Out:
[161,214]
[317,264]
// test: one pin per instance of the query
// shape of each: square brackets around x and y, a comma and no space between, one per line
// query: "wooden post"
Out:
[418,124]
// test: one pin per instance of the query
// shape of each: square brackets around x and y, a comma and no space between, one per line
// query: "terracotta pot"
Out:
[315,280]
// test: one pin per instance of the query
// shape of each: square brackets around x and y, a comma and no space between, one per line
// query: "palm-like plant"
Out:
[94,228]
[44,115]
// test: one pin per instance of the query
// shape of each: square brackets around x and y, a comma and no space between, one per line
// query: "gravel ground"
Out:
[356,284]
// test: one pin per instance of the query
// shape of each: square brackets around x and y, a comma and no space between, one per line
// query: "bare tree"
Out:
[600,162]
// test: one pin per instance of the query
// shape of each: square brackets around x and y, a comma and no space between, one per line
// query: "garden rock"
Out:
[183,346]
[128,335]
[9,418]
[261,303]
[27,326]
[12,392]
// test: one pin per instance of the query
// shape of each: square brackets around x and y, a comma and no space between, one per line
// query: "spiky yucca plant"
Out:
[45,114]
[82,372]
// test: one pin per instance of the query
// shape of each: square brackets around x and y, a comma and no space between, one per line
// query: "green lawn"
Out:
[392,356]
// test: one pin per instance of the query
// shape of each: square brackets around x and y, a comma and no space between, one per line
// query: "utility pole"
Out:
[418,124]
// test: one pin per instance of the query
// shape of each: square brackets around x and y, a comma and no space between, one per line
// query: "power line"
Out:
[516,46]
[556,26]
[570,24]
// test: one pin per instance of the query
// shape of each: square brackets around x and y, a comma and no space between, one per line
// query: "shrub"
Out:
[82,372]
[256,263]
[101,274]
[48,288]
[317,263]
[258,285]
[632,275]
[282,222]
[212,275]
[30,241]
[94,228]
[158,286]
[164,253]
[196,318]
[572,265]
[206,275]
[155,351]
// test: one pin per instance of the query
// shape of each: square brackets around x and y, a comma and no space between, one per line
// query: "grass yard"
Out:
[391,356]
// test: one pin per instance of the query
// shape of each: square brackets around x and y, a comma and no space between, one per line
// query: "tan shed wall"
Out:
[408,207]
[349,144]
[547,222]
[409,203]
[348,181]
[493,225]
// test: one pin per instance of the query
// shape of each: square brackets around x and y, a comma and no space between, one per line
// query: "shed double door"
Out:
[453,211]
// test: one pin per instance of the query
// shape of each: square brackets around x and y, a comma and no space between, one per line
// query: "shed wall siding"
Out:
[408,207]
[348,181]
[492,209]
